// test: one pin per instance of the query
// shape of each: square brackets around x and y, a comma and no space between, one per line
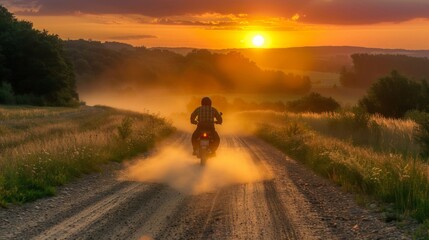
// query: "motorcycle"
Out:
[204,147]
[205,141]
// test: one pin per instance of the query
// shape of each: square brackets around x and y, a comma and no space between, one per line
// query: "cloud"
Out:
[169,21]
[309,11]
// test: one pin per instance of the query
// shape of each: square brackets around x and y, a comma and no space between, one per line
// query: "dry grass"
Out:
[380,134]
[46,147]
[385,176]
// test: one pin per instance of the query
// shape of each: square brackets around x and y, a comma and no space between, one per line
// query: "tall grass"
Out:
[42,148]
[383,135]
[357,127]
[385,176]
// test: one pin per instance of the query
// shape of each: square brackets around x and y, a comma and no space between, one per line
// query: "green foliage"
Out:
[4,72]
[393,96]
[368,68]
[35,64]
[6,94]
[314,102]
[422,232]
[290,137]
[416,116]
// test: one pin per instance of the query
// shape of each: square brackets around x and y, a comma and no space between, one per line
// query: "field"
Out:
[377,158]
[46,147]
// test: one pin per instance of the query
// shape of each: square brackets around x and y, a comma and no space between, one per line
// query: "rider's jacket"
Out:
[205,116]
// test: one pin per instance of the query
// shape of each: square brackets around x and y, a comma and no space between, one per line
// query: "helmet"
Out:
[206,101]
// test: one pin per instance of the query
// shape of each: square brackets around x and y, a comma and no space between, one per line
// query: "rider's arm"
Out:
[217,116]
[194,116]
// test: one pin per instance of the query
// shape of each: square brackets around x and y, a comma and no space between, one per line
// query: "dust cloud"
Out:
[176,167]
[176,108]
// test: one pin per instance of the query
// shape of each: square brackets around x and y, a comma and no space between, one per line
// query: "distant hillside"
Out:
[119,66]
[321,59]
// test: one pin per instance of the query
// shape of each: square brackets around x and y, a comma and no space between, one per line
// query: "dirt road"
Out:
[292,203]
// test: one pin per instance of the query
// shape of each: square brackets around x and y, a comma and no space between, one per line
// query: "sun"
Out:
[258,41]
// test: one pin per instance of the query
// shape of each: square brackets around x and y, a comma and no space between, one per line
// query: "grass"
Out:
[43,148]
[374,157]
[391,136]
[388,177]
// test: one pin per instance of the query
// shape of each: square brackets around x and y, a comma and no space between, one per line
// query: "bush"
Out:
[314,102]
[125,129]
[6,94]
[416,115]
[393,96]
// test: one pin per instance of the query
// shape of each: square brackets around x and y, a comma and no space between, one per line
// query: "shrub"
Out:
[6,94]
[416,115]
[393,96]
[314,102]
[125,129]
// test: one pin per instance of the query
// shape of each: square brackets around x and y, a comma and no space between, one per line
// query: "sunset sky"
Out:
[233,23]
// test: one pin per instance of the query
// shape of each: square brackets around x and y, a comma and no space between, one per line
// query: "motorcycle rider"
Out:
[204,116]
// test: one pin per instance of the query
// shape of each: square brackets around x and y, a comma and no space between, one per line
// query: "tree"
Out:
[35,63]
[393,96]
[4,73]
[368,68]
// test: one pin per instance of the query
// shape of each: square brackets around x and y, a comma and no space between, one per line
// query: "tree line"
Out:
[33,66]
[368,68]
[109,65]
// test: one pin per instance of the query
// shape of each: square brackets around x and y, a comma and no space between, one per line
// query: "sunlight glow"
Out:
[258,41]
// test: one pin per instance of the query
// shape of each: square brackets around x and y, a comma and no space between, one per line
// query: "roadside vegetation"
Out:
[379,159]
[388,177]
[378,149]
[355,126]
[43,148]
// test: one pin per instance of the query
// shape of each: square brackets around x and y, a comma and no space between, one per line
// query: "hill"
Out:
[118,66]
[319,58]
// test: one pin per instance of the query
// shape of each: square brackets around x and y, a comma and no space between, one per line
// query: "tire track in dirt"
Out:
[287,206]
[76,223]
[137,213]
[69,211]
[308,223]
[242,211]
[266,192]
[199,215]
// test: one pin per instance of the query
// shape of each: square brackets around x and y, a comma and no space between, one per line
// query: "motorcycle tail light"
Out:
[204,135]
